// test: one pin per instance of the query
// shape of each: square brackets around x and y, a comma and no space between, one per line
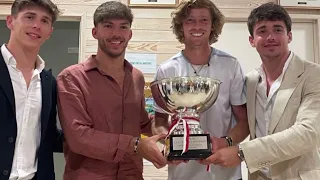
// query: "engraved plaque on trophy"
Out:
[184,99]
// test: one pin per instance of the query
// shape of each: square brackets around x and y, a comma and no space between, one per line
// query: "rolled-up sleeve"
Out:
[77,125]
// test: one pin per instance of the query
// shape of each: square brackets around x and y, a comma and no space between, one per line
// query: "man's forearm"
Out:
[239,132]
[97,144]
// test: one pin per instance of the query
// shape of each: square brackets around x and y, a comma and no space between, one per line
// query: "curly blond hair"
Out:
[182,11]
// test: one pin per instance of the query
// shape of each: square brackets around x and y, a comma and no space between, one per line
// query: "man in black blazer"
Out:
[28,97]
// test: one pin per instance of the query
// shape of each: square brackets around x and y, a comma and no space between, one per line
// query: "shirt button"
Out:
[10,139]
[5,172]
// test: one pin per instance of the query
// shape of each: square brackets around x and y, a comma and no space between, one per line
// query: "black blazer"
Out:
[51,137]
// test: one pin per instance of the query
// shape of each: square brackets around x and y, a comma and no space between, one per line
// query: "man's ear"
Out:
[94,32]
[130,36]
[289,37]
[251,40]
[9,21]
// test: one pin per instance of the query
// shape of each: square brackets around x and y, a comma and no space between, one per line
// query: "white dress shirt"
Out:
[28,109]
[264,103]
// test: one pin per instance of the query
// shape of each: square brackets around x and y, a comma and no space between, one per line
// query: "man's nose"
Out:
[115,31]
[270,37]
[197,24]
[36,24]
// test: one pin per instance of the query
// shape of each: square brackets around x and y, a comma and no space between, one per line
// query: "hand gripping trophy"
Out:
[184,99]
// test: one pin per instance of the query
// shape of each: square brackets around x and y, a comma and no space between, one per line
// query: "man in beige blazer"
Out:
[283,102]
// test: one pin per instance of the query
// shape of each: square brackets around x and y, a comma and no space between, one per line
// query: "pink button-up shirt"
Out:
[99,120]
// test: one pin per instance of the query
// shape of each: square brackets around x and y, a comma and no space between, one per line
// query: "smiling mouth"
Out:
[115,42]
[33,35]
[271,45]
[197,34]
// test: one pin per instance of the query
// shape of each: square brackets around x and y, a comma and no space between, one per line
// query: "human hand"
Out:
[149,150]
[160,130]
[218,143]
[226,157]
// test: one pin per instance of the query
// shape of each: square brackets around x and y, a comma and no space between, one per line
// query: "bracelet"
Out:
[229,140]
[135,147]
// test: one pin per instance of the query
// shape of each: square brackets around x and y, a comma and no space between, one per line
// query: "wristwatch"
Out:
[229,140]
[240,154]
[135,146]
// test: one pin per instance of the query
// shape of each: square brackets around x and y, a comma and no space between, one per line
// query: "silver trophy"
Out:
[184,99]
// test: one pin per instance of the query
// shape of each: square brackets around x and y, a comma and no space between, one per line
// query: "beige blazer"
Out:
[291,149]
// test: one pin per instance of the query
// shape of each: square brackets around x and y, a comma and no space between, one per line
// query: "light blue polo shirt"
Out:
[218,119]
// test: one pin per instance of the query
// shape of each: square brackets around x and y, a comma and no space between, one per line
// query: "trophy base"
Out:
[199,147]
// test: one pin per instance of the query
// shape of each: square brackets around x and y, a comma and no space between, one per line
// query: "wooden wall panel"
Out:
[160,24]
[133,46]
[219,3]
[143,47]
[160,57]
[145,35]
[239,4]
[83,2]
[5,9]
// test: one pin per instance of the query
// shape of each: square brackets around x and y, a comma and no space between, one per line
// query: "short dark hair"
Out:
[48,5]
[112,10]
[268,12]
[183,10]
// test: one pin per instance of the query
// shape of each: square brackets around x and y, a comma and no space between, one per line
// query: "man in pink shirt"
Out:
[102,108]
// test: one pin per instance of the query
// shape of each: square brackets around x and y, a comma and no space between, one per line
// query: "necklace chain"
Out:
[195,71]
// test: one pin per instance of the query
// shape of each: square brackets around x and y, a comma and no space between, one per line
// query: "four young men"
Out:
[101,101]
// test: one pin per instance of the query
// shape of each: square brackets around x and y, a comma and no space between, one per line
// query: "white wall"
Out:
[235,41]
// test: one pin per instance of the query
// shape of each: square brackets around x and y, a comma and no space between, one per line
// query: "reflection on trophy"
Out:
[184,99]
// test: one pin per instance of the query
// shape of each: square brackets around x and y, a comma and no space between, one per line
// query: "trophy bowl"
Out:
[184,99]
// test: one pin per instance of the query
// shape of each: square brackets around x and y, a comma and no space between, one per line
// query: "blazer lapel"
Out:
[46,87]
[289,82]
[252,82]
[5,83]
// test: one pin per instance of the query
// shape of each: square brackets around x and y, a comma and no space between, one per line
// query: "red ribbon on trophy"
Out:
[186,132]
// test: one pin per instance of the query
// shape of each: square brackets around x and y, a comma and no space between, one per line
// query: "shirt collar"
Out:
[11,61]
[212,52]
[285,67]
[91,63]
